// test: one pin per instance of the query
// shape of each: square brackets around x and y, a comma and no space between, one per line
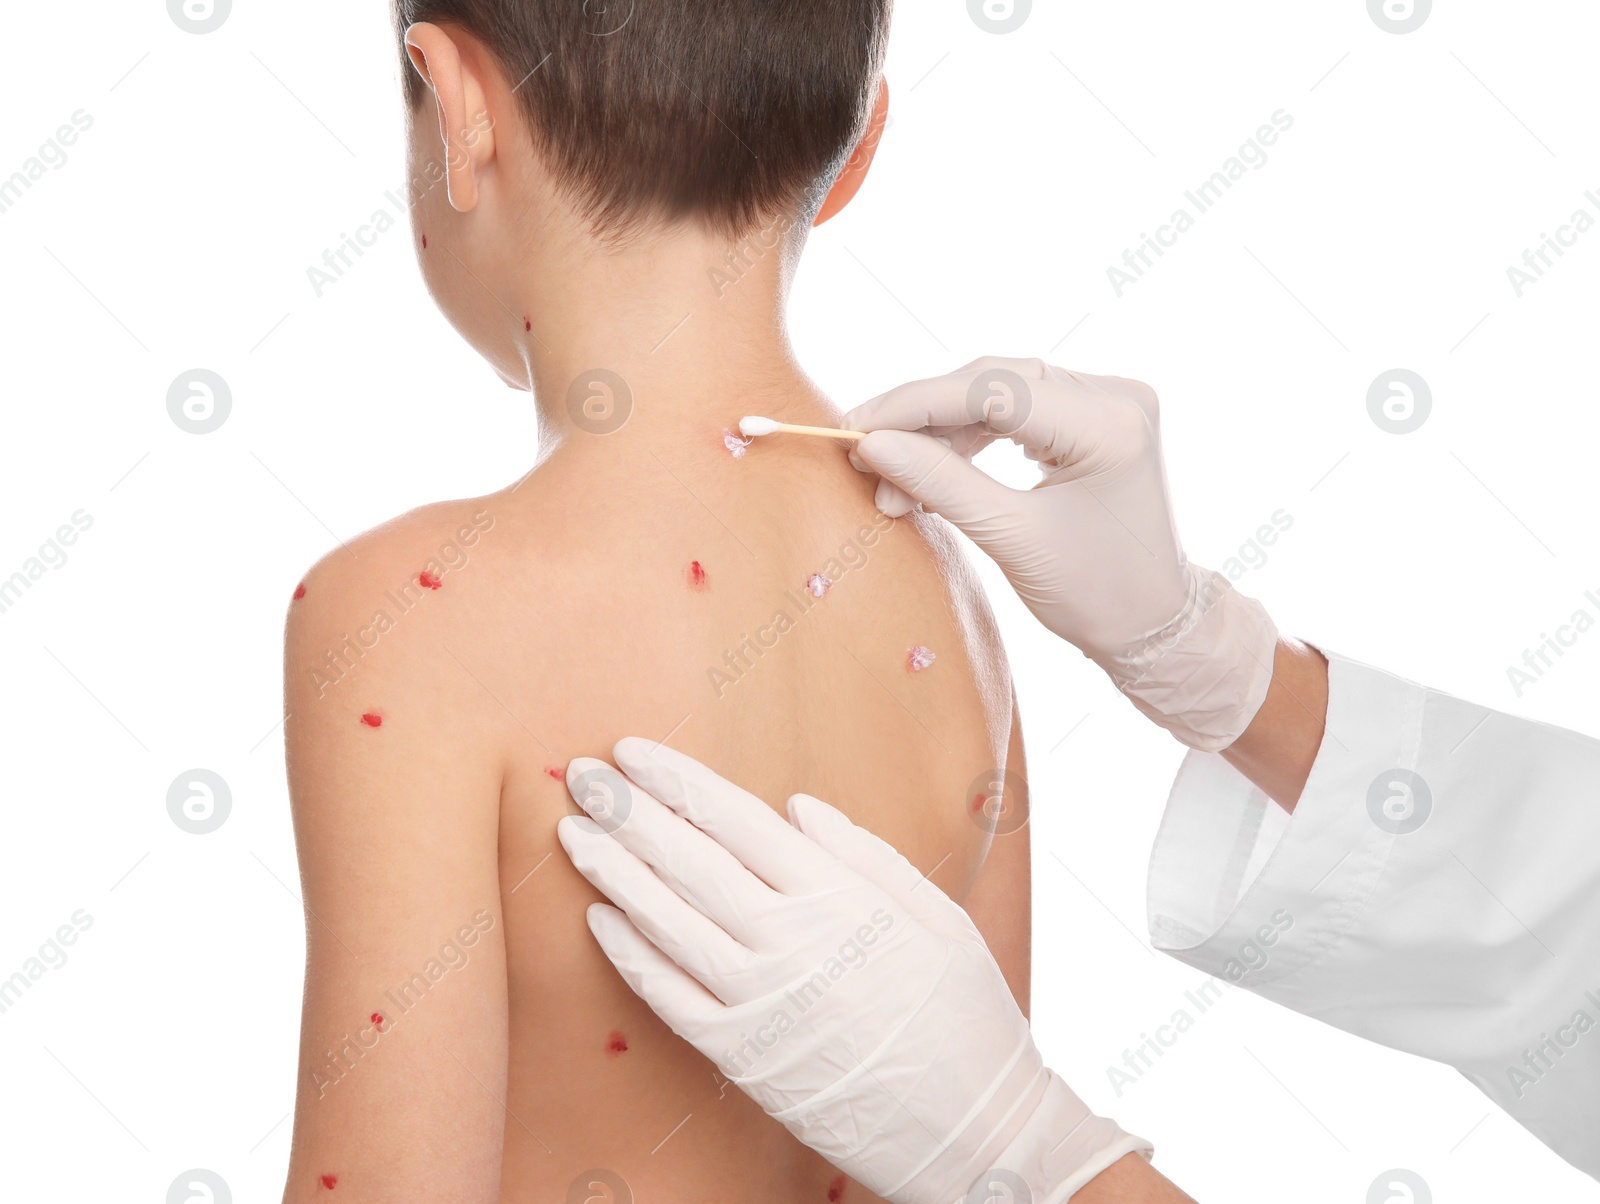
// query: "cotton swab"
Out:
[752,427]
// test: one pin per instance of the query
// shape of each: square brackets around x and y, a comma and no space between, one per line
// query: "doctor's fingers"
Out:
[673,925]
[688,1008]
[893,501]
[1069,416]
[1000,397]
[881,864]
[965,441]
[945,482]
[934,401]
[890,500]
[688,861]
[729,817]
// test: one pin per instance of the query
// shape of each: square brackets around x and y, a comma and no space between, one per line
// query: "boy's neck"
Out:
[694,331]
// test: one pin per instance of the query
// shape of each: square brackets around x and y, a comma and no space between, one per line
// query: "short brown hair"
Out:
[725,110]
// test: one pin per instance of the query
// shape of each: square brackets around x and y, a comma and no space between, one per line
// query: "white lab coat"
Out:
[1472,939]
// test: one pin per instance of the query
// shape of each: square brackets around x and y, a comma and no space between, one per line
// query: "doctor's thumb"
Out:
[920,468]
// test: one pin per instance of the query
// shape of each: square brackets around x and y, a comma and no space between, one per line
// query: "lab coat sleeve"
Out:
[1437,890]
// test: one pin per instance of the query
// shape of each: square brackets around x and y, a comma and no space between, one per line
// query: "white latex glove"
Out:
[828,979]
[1092,548]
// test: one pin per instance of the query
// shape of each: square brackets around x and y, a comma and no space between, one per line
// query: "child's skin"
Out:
[571,617]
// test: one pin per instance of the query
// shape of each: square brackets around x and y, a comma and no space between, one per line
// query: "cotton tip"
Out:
[751,426]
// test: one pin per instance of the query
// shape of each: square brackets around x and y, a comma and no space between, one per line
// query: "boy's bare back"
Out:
[650,587]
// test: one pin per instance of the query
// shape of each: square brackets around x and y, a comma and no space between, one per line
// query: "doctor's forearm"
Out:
[1130,1180]
[1277,750]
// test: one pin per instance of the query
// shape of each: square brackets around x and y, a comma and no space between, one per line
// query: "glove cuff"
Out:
[1040,1149]
[1059,1148]
[1204,675]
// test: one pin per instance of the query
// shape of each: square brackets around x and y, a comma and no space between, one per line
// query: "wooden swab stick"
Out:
[752,427]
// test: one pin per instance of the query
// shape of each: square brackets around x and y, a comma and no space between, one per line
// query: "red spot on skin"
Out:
[428,581]
[424,242]
[697,575]
[330,1181]
[300,591]
[836,1190]
[372,719]
[527,325]
[557,773]
[977,803]
[616,1045]
[377,1021]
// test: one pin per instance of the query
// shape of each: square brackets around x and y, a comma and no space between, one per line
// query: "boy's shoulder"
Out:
[404,558]
[378,604]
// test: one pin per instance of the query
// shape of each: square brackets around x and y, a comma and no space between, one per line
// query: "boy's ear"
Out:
[461,100]
[855,169]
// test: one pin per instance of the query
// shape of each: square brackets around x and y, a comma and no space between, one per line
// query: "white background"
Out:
[1018,168]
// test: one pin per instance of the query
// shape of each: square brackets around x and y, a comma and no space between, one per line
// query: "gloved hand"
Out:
[1092,549]
[832,982]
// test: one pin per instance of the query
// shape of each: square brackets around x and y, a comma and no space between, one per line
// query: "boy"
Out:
[621,199]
